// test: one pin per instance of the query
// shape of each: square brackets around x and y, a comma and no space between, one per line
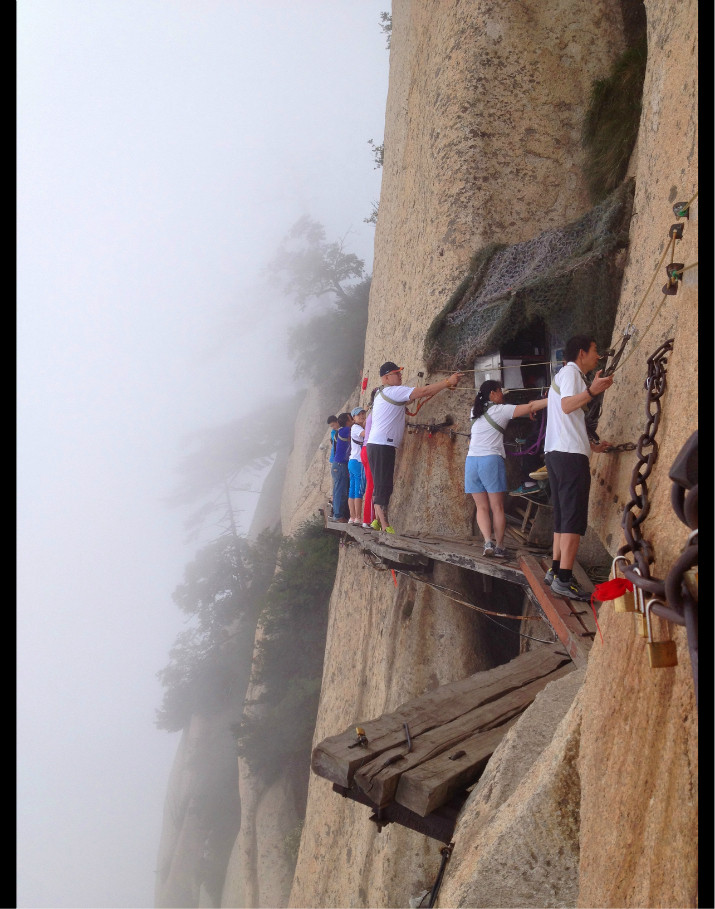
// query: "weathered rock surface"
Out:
[456,177]
[638,760]
[518,835]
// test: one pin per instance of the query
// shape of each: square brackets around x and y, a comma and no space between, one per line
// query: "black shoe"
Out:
[572,589]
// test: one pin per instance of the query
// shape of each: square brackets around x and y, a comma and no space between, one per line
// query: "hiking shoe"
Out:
[488,548]
[572,590]
[500,553]
[524,490]
[376,525]
[388,529]
[549,577]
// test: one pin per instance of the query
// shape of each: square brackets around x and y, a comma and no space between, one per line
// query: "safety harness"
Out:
[489,420]
[584,407]
[390,400]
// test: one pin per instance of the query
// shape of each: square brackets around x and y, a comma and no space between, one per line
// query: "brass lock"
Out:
[640,618]
[661,654]
[626,602]
[641,628]
[691,582]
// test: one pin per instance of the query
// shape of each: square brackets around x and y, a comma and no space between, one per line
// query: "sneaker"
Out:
[367,526]
[388,529]
[500,553]
[341,521]
[549,577]
[488,548]
[524,490]
[376,525]
[572,590]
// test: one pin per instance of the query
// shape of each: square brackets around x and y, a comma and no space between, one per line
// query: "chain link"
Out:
[647,449]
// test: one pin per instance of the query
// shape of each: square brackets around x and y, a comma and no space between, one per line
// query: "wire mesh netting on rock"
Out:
[570,277]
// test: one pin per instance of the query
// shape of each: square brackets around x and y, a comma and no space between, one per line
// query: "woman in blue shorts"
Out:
[485,467]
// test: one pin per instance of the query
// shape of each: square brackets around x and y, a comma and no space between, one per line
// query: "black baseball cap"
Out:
[389,367]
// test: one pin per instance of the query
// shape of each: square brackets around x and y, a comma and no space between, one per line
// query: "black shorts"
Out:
[570,482]
[381,459]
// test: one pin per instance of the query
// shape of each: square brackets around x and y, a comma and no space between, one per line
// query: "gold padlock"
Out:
[640,624]
[626,602]
[640,619]
[661,654]
[691,582]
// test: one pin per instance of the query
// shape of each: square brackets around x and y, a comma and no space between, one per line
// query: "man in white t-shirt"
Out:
[387,430]
[567,450]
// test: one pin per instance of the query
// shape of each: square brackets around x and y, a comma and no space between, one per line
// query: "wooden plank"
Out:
[559,612]
[462,554]
[379,778]
[424,788]
[393,554]
[459,552]
[337,757]
[431,783]
[439,824]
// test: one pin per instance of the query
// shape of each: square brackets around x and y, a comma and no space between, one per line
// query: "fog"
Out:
[164,150]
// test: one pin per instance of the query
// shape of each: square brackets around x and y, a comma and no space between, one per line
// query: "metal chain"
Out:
[647,449]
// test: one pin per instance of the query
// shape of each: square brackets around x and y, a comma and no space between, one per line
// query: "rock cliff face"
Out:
[590,799]
[482,143]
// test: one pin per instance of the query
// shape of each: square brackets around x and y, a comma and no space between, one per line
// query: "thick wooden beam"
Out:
[439,824]
[462,553]
[380,777]
[338,757]
[423,788]
[559,611]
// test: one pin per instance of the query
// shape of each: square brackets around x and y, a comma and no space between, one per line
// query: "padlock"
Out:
[691,582]
[661,654]
[641,628]
[640,617]
[625,602]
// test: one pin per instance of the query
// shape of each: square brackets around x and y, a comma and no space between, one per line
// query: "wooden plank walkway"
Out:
[428,751]
[414,766]
[571,620]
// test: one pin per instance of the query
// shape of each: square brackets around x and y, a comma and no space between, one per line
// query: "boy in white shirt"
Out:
[567,450]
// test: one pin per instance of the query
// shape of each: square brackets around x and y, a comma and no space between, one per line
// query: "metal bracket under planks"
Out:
[425,755]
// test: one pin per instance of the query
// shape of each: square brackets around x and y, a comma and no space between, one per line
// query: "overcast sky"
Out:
[164,149]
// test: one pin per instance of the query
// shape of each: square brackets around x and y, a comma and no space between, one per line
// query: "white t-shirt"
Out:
[485,439]
[356,431]
[388,420]
[566,431]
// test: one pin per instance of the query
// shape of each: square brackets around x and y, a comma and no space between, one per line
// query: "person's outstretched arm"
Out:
[426,391]
[526,410]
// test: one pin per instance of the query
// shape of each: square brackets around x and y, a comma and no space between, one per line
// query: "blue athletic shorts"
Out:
[357,487]
[486,473]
